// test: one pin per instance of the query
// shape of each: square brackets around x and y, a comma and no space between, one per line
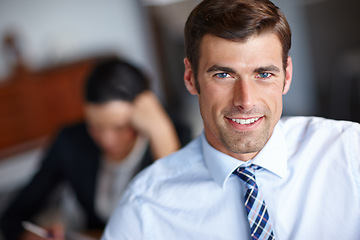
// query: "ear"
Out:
[189,77]
[288,75]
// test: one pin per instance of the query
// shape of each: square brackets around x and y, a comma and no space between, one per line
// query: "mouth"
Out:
[245,121]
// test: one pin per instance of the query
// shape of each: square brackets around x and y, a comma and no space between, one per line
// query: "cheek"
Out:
[94,134]
[272,93]
[274,102]
[277,94]
[212,100]
[125,135]
[130,133]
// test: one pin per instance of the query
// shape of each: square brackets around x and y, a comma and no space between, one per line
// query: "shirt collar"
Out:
[272,157]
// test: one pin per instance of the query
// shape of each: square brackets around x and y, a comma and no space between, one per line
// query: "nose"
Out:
[244,94]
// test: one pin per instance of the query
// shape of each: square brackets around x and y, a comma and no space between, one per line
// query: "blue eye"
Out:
[264,75]
[222,75]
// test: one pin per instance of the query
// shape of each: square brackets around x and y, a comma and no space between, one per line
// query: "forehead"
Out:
[113,112]
[253,52]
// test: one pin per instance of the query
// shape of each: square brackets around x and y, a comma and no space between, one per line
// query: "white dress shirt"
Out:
[310,181]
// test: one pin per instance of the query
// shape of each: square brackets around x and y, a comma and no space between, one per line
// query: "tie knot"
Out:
[247,174]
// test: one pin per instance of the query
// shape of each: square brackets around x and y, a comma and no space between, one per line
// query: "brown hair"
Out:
[235,20]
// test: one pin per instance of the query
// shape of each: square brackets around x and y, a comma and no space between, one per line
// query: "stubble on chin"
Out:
[243,142]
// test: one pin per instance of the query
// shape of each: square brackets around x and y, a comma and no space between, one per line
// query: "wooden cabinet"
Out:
[34,105]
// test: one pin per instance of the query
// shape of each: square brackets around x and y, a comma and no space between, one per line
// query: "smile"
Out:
[244,121]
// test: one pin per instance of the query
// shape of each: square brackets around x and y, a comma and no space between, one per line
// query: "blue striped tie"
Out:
[258,216]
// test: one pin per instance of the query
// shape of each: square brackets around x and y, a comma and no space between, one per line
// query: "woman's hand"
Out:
[151,119]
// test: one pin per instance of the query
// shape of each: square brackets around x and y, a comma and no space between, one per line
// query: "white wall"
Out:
[58,30]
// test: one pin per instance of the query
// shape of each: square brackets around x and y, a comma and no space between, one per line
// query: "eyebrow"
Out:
[215,68]
[270,68]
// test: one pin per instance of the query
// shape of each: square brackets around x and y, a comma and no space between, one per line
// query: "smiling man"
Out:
[251,174]
[241,85]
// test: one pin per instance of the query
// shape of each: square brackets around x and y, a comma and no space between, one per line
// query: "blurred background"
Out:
[48,47]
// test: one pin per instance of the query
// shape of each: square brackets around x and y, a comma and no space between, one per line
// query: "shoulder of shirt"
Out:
[180,164]
[290,124]
[300,130]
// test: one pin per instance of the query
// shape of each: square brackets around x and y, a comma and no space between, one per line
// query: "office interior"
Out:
[47,48]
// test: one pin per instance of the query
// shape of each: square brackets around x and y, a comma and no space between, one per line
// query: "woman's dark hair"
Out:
[114,79]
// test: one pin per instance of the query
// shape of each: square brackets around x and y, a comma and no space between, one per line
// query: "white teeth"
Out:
[245,121]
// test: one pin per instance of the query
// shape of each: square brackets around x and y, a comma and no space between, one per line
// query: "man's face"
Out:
[110,127]
[241,87]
